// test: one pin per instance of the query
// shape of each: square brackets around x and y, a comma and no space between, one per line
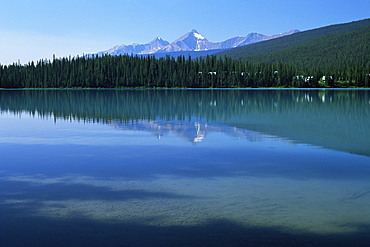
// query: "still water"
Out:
[184,168]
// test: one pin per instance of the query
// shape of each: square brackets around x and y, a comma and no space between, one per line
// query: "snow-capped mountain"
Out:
[191,41]
[149,48]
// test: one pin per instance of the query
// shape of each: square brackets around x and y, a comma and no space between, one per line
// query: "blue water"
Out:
[184,168]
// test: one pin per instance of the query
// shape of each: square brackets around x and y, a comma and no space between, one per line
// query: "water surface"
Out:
[184,167]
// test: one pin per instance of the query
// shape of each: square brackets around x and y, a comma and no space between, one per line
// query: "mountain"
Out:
[192,42]
[296,40]
[149,48]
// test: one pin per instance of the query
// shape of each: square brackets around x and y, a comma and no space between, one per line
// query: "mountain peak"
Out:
[191,41]
[160,41]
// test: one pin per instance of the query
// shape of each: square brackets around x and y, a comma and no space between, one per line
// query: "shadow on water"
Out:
[59,191]
[20,226]
[34,231]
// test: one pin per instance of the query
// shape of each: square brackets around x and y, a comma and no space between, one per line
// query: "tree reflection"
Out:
[332,118]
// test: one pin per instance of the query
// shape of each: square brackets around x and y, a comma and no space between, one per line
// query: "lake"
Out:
[185,167]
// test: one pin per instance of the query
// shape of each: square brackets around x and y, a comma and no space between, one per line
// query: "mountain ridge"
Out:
[192,41]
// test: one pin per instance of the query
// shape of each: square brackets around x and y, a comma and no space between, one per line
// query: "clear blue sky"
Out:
[35,29]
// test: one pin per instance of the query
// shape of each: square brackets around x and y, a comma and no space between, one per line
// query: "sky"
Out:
[31,30]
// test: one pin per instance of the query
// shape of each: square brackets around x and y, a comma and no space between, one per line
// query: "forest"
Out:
[336,51]
[339,36]
[183,72]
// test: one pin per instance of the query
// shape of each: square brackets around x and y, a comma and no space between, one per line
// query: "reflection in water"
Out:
[107,168]
[190,131]
[336,119]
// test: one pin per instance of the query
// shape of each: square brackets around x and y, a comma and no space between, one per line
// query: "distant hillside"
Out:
[308,45]
[336,51]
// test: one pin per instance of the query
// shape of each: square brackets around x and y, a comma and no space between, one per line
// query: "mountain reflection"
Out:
[193,132]
[336,119]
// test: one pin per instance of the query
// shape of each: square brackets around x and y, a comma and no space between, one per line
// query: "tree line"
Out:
[146,71]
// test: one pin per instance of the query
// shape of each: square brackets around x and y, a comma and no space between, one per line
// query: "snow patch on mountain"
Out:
[198,36]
